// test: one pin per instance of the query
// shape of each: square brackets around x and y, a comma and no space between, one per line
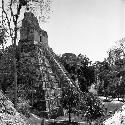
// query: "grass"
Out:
[113,105]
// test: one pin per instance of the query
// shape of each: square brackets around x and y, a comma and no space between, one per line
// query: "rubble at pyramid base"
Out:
[8,114]
[118,118]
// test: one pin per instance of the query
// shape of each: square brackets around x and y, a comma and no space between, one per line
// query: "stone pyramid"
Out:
[36,54]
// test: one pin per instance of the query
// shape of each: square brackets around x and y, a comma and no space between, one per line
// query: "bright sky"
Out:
[89,27]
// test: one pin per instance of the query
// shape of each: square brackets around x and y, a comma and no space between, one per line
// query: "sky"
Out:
[89,27]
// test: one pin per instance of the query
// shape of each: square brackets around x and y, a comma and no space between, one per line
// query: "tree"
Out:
[10,20]
[104,76]
[69,100]
[6,69]
[117,52]
[116,60]
[91,107]
[3,36]
[79,67]
[69,61]
[13,33]
[85,72]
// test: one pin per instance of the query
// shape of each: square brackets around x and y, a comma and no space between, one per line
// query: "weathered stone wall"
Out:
[31,30]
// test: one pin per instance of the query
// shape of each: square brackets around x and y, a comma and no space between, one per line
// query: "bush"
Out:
[69,100]
[23,107]
[56,113]
[91,107]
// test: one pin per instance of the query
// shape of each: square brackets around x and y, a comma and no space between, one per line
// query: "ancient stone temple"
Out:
[38,56]
[32,42]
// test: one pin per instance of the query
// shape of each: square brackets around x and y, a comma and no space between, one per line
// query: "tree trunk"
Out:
[14,66]
[15,19]
[15,83]
[90,123]
[118,97]
[69,114]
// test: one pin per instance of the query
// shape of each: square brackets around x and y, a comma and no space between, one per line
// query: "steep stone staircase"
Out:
[59,70]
